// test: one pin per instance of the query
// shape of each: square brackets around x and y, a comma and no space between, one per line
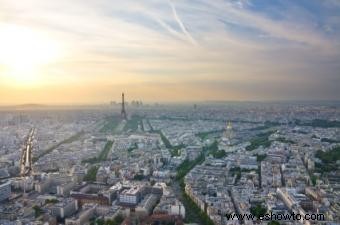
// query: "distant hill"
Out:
[29,106]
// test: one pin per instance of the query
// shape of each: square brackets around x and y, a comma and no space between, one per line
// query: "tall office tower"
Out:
[123,112]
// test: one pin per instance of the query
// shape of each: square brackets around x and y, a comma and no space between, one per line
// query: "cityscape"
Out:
[170,112]
[135,163]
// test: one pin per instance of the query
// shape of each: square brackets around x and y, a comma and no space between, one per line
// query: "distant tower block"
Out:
[123,112]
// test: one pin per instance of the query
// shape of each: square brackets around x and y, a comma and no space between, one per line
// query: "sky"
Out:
[83,51]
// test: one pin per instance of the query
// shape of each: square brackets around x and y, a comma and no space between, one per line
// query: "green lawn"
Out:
[213,150]
[91,174]
[205,135]
[66,141]
[260,140]
[187,165]
[110,124]
[319,123]
[133,122]
[284,140]
[330,156]
[102,155]
[193,213]
[174,150]
[328,159]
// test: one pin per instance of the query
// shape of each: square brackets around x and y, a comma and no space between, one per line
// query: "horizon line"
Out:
[108,103]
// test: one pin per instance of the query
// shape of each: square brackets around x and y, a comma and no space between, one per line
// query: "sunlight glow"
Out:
[24,52]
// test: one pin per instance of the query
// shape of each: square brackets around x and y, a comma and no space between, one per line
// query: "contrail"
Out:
[181,25]
[168,28]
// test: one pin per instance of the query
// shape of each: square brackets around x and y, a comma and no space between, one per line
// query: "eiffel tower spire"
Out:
[123,112]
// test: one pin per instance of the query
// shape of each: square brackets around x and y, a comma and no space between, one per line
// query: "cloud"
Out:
[180,23]
[283,29]
[135,43]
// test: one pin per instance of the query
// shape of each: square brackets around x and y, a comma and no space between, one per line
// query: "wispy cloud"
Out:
[180,23]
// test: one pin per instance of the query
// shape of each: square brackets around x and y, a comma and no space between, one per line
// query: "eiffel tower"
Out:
[123,112]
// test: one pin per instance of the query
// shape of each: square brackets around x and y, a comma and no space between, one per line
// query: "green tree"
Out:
[258,210]
[37,211]
[100,222]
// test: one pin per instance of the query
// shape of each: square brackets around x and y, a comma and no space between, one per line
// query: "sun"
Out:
[24,52]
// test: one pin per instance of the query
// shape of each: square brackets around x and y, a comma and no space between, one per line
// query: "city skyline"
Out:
[168,51]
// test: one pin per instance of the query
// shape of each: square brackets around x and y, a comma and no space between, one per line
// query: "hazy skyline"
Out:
[160,50]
